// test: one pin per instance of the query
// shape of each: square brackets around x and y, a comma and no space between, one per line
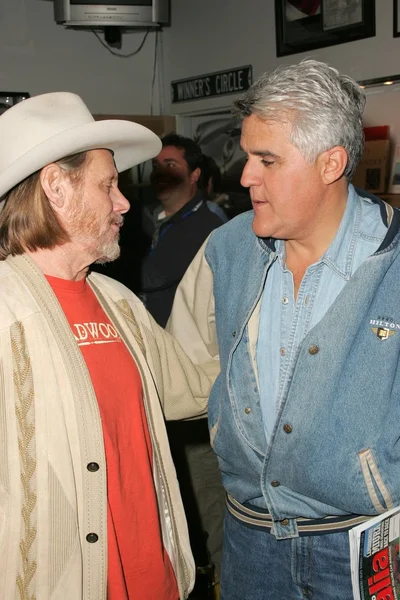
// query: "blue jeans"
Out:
[257,566]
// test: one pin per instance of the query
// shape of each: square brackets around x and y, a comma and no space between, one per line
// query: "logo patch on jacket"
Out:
[384,327]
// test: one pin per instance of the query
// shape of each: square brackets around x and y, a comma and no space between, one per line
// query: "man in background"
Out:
[89,502]
[299,298]
[181,223]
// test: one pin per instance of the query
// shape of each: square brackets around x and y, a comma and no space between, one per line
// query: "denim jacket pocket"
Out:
[373,481]
[214,411]
[213,433]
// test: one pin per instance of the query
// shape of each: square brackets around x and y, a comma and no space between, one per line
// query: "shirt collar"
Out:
[339,254]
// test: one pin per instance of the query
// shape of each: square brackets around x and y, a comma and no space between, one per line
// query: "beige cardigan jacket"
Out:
[50,430]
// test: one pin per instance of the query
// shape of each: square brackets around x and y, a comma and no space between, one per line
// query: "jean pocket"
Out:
[374,481]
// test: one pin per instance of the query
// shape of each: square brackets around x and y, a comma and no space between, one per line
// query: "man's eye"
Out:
[266,163]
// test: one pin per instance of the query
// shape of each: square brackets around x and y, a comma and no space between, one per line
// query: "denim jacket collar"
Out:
[340,253]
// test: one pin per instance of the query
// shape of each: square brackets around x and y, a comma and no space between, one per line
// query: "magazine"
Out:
[375,557]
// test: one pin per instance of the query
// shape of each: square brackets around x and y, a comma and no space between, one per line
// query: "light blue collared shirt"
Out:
[284,321]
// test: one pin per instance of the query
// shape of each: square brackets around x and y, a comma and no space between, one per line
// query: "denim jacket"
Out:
[335,447]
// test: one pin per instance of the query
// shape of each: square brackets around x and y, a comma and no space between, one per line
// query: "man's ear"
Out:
[53,182]
[195,175]
[333,163]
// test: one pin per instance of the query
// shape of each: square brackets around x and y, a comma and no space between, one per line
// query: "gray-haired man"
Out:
[304,416]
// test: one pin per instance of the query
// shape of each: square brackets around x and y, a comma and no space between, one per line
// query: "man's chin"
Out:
[108,255]
[163,192]
[260,228]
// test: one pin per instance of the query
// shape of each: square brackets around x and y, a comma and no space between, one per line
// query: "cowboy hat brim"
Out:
[130,143]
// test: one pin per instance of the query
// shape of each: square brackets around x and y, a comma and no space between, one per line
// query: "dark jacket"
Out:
[178,241]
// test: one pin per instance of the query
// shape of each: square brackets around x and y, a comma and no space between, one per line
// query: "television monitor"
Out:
[122,13]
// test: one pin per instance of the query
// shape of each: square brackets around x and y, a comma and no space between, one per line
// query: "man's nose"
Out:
[249,176]
[121,204]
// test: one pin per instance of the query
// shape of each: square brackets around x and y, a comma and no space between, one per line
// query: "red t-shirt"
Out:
[138,564]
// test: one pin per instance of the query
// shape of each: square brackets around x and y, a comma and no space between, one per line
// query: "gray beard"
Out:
[109,251]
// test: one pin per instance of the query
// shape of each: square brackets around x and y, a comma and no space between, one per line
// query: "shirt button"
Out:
[92,467]
[92,538]
[287,428]
[285,522]
[275,483]
[313,350]
[285,300]
[282,351]
[233,333]
[247,411]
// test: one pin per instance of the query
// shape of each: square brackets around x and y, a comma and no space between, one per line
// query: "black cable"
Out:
[124,55]
[154,73]
[140,169]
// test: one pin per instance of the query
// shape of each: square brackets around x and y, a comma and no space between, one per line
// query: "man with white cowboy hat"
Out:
[89,503]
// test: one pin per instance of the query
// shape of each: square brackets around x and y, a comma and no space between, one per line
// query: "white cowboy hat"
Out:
[46,128]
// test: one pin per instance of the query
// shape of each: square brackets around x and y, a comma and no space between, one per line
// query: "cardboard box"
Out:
[394,181]
[372,171]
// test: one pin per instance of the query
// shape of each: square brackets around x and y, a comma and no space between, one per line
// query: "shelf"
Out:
[159,124]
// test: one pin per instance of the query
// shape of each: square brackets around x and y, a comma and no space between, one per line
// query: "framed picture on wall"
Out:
[396,18]
[303,25]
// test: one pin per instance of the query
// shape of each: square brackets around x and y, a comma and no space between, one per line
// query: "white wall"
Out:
[214,35]
[38,56]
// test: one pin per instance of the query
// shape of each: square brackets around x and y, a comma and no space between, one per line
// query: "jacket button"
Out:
[275,483]
[285,522]
[287,428]
[247,410]
[92,538]
[92,467]
[233,333]
[313,349]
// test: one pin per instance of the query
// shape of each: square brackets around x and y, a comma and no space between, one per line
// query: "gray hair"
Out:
[323,107]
